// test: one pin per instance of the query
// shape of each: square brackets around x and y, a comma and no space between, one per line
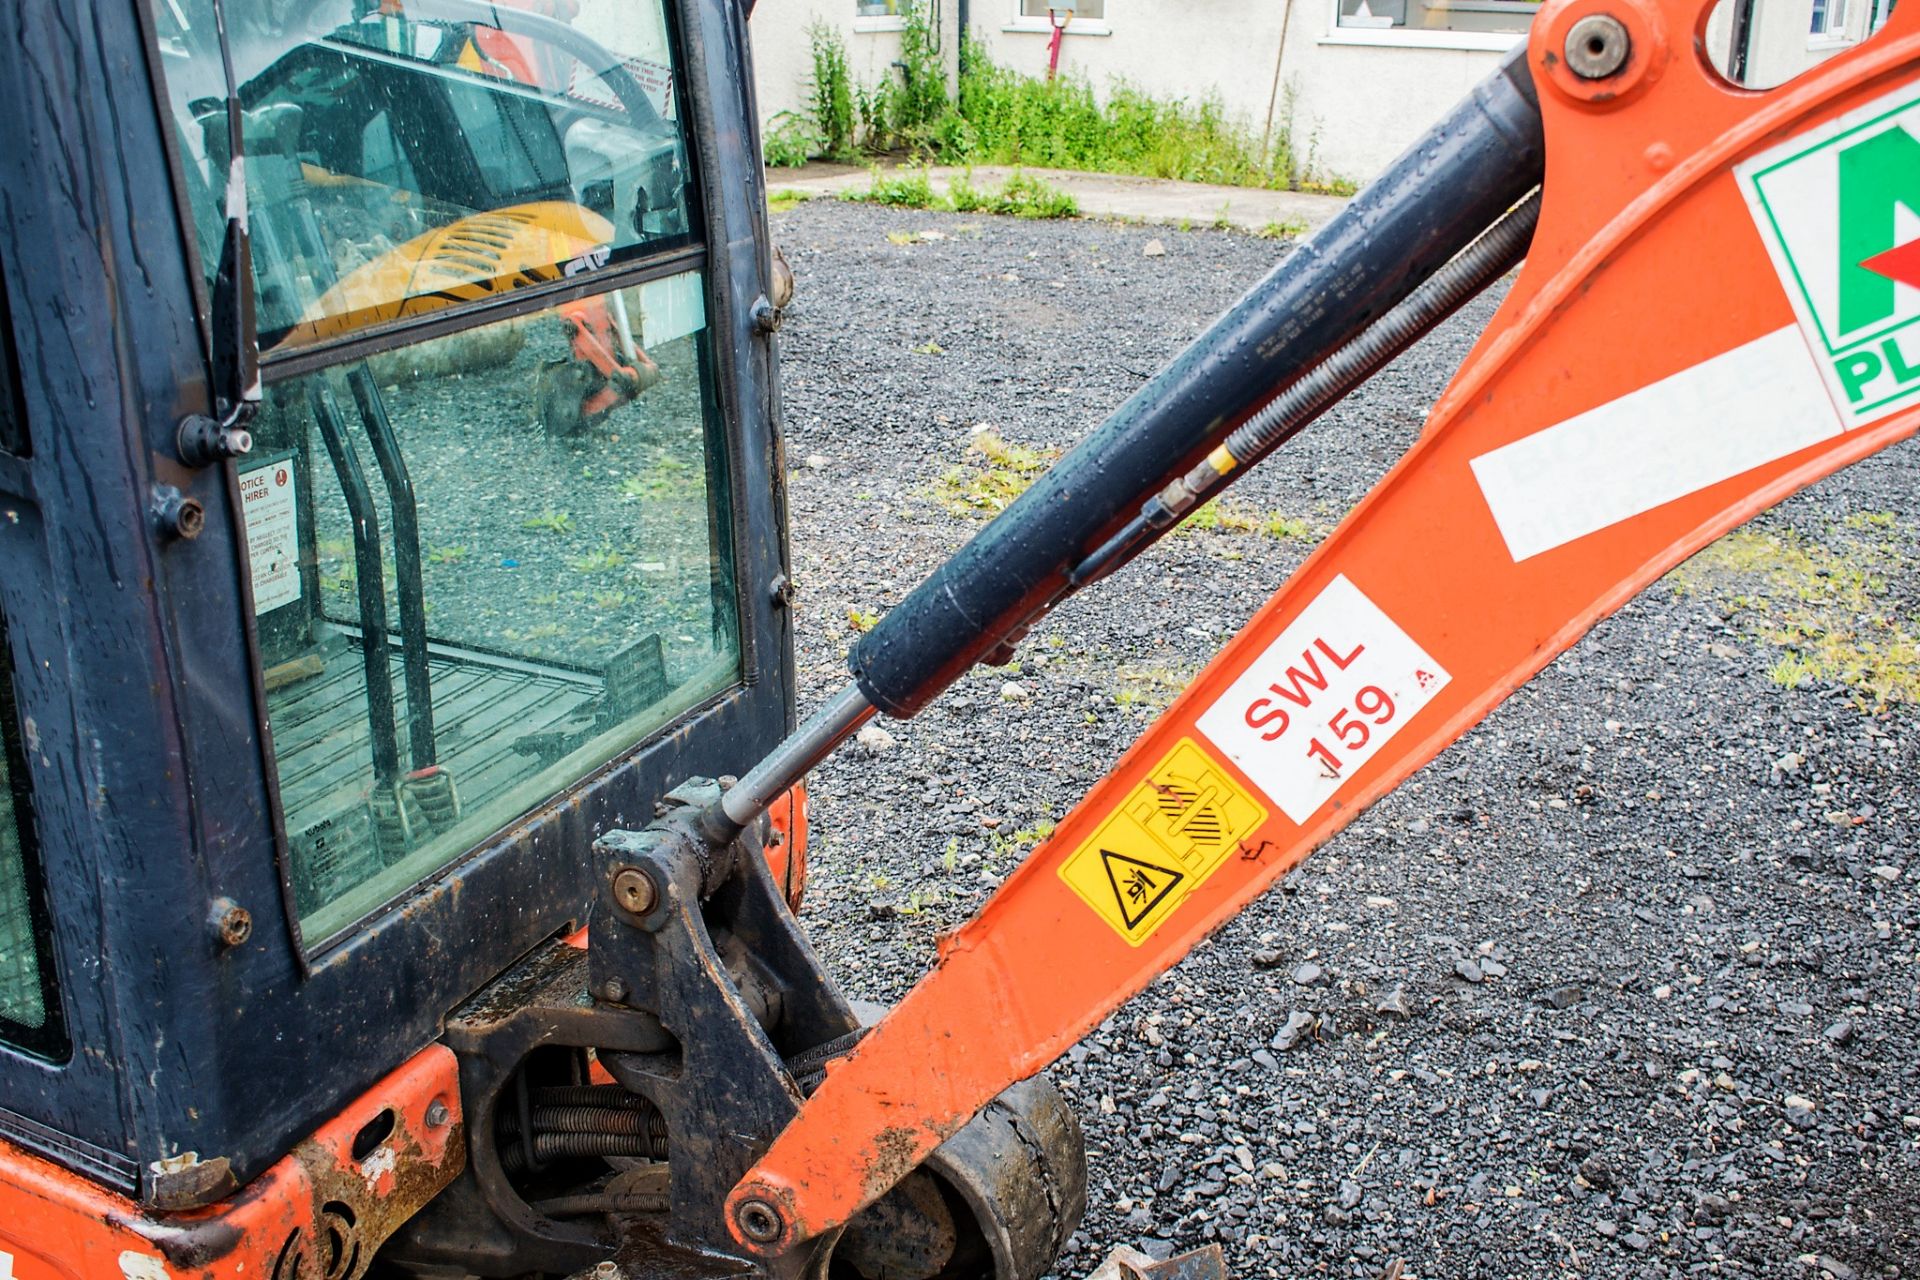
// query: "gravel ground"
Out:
[1621,985]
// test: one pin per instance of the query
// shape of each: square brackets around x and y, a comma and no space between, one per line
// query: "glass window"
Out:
[409,155]
[1492,17]
[1080,8]
[29,1012]
[558,586]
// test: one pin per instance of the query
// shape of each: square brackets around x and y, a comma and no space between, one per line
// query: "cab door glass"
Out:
[29,1011]
[481,568]
[404,156]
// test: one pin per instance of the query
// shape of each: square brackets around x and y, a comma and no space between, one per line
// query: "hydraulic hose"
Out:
[1446,291]
[1231,384]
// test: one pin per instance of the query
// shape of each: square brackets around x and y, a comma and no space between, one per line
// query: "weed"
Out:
[549,521]
[929,348]
[881,884]
[446,555]
[1826,605]
[862,621]
[987,487]
[832,99]
[781,201]
[666,478]
[905,189]
[1025,196]
[599,560]
[1290,229]
[608,601]
[1185,224]
[1221,222]
[950,856]
[791,141]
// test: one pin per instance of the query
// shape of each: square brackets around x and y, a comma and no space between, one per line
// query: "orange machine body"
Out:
[337,1195]
[1652,342]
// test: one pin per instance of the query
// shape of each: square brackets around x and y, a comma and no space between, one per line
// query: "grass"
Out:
[1289,229]
[1003,117]
[1021,195]
[781,201]
[1217,516]
[1826,606]
[995,474]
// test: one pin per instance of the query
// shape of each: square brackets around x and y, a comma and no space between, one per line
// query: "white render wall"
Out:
[1353,107]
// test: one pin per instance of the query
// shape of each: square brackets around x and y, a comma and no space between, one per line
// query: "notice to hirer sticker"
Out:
[1322,699]
[271,513]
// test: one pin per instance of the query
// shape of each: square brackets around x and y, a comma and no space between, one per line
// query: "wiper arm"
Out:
[200,439]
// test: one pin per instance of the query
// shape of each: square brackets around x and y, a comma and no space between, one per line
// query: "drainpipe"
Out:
[963,20]
[1273,97]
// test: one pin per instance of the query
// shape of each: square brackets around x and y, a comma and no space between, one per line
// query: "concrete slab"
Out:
[1104,195]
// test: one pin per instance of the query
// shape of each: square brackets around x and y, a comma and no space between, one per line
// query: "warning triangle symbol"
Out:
[1138,886]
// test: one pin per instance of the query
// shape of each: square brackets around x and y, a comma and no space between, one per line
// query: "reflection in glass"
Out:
[408,155]
[468,598]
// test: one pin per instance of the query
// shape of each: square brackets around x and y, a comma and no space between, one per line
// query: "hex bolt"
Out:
[635,891]
[437,1114]
[759,1221]
[607,1271]
[613,991]
[232,923]
[1597,46]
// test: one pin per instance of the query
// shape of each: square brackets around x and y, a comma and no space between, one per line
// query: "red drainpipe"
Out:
[1059,19]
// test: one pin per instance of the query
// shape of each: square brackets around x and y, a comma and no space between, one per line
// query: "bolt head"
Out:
[232,923]
[759,1221]
[437,1114]
[1597,46]
[635,891]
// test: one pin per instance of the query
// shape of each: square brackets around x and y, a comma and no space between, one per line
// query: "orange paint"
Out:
[1646,264]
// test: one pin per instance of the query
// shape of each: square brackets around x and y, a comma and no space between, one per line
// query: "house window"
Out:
[1483,18]
[1829,20]
[1081,9]
[876,8]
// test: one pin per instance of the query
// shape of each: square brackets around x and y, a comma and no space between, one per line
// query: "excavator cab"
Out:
[319,684]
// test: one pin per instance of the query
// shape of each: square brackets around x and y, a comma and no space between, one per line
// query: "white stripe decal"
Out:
[1742,409]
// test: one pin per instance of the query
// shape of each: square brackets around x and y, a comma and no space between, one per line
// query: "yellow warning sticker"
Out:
[1162,842]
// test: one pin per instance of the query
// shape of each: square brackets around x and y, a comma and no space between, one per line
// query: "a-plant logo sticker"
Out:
[1839,209]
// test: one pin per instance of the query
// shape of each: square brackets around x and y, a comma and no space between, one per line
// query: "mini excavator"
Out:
[404,783]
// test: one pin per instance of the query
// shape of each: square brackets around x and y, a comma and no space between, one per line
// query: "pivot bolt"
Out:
[232,923]
[759,1221]
[1597,46]
[635,891]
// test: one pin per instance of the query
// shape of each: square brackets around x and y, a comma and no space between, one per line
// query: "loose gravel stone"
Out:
[1647,812]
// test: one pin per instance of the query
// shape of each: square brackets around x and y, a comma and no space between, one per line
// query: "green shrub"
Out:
[907,189]
[791,142]
[1025,196]
[832,100]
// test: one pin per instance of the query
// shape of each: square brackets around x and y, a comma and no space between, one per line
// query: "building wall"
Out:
[1351,107]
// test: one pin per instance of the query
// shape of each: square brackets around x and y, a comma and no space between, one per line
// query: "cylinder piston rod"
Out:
[1334,304]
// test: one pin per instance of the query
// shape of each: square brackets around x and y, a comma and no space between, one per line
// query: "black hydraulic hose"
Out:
[1446,291]
[1462,176]
[1429,205]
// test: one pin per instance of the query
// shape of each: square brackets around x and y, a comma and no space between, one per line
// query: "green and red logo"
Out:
[1839,209]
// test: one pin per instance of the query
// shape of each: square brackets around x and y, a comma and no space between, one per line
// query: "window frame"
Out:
[695,254]
[1019,20]
[1421,38]
[50,1040]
